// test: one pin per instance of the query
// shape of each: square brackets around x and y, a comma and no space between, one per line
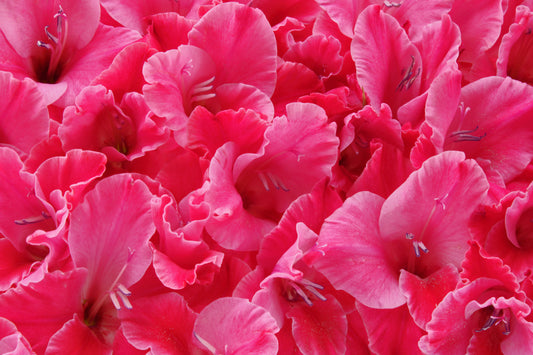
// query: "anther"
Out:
[205,343]
[409,77]
[43,45]
[464,135]
[391,4]
[30,220]
[498,316]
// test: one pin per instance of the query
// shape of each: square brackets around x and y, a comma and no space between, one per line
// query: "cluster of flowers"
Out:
[262,177]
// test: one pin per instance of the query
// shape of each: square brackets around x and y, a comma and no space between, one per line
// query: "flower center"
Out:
[409,76]
[55,45]
[303,289]
[498,316]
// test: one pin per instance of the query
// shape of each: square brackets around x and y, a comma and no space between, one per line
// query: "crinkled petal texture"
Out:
[495,124]
[106,234]
[244,51]
[235,326]
[388,64]
[25,120]
[164,325]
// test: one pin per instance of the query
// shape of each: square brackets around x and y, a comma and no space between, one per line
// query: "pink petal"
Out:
[22,99]
[14,265]
[11,341]
[235,326]
[125,72]
[21,219]
[344,12]
[237,96]
[168,30]
[247,57]
[321,329]
[423,295]
[207,132]
[388,65]
[355,258]
[434,205]
[480,25]
[40,309]
[75,337]
[87,63]
[507,137]
[391,331]
[162,323]
[106,236]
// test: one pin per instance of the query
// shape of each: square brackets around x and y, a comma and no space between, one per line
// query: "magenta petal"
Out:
[106,236]
[163,323]
[355,258]
[40,309]
[22,99]
[75,337]
[388,65]
[322,330]
[235,326]
[244,52]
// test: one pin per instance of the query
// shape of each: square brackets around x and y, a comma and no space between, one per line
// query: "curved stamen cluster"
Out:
[202,91]
[409,77]
[297,289]
[498,316]
[55,44]
[265,177]
[34,219]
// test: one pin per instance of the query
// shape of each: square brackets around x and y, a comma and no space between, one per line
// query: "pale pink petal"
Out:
[106,236]
[162,323]
[389,66]
[245,52]
[235,326]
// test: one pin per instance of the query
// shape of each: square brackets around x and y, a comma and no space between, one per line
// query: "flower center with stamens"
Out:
[409,76]
[498,317]
[117,292]
[466,136]
[304,289]
[55,45]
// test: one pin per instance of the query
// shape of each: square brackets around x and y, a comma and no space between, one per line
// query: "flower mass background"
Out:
[266,177]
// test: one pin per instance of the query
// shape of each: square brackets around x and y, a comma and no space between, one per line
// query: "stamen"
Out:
[498,316]
[125,301]
[417,245]
[200,89]
[311,283]
[114,299]
[124,290]
[50,36]
[409,77]
[264,181]
[206,82]
[302,294]
[30,220]
[56,45]
[464,135]
[44,45]
[205,343]
[391,4]
[202,97]
[315,292]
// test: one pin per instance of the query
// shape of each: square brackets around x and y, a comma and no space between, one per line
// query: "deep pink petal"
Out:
[344,12]
[321,329]
[106,235]
[22,99]
[319,53]
[236,326]
[423,295]
[391,331]
[388,65]
[355,260]
[75,337]
[14,265]
[245,52]
[40,309]
[164,323]
[506,137]
[237,96]
[168,30]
